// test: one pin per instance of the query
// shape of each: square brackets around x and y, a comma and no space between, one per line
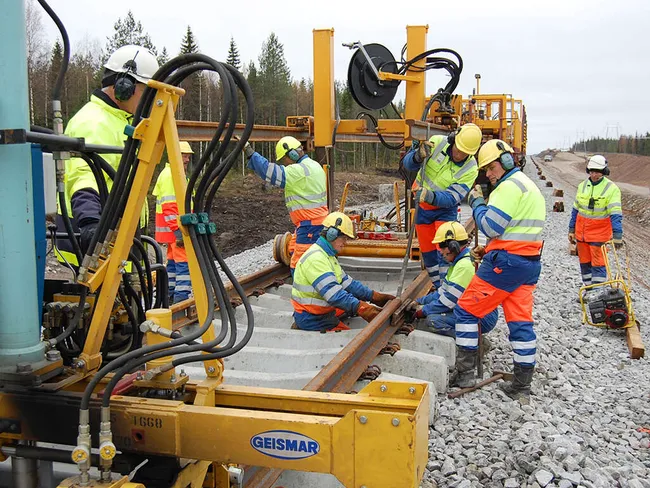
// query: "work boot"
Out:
[519,387]
[464,373]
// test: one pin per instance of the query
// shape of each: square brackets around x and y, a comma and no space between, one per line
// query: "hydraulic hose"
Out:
[56,92]
[76,319]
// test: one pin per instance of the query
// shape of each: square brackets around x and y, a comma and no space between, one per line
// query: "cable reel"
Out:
[363,75]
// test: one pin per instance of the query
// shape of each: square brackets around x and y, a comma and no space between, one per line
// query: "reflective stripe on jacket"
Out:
[304,184]
[603,218]
[444,299]
[320,285]
[514,219]
[449,180]
[166,207]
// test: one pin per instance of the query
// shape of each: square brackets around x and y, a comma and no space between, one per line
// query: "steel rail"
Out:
[343,371]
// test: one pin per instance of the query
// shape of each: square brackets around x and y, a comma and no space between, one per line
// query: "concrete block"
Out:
[429,343]
[416,365]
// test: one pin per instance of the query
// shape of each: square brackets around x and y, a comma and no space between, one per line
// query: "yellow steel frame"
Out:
[378,437]
[324,96]
[156,132]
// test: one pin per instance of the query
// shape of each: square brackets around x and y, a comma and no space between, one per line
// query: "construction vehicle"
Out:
[102,368]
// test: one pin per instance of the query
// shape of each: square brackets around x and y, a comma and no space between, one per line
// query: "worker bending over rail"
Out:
[597,217]
[322,291]
[102,121]
[437,308]
[513,222]
[305,190]
[167,231]
[447,171]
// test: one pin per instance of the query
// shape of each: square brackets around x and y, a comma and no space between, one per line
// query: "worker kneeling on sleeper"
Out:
[322,291]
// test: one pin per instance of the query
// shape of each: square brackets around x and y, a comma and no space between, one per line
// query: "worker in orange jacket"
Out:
[167,231]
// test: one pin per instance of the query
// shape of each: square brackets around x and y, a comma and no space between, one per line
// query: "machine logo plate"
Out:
[285,444]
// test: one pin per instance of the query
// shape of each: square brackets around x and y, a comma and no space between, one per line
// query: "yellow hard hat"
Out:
[492,150]
[450,231]
[284,145]
[185,147]
[340,222]
[468,139]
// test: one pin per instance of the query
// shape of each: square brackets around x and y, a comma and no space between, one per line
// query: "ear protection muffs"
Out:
[124,86]
[451,138]
[294,156]
[452,244]
[333,232]
[506,159]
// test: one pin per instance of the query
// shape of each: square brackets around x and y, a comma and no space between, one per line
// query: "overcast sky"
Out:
[579,65]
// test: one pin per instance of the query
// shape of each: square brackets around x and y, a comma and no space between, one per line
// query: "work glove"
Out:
[475,197]
[426,196]
[416,309]
[87,234]
[422,152]
[572,237]
[477,253]
[179,238]
[248,149]
[367,312]
[381,299]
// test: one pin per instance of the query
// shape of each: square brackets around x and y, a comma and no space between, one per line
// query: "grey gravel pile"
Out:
[581,426]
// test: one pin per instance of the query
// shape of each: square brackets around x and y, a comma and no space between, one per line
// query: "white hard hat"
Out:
[597,162]
[138,61]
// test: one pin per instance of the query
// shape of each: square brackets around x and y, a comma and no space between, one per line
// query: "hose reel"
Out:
[363,79]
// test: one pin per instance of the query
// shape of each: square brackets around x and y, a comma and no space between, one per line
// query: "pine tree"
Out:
[128,31]
[190,106]
[163,57]
[233,55]
[188,45]
[275,78]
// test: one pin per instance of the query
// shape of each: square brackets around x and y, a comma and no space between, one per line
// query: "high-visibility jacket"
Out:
[514,219]
[449,180]
[601,220]
[320,285]
[444,299]
[304,184]
[166,207]
[101,122]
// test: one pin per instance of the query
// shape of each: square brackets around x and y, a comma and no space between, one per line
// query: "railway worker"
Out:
[305,192]
[437,308]
[595,219]
[167,231]
[102,121]
[447,172]
[513,222]
[322,290]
